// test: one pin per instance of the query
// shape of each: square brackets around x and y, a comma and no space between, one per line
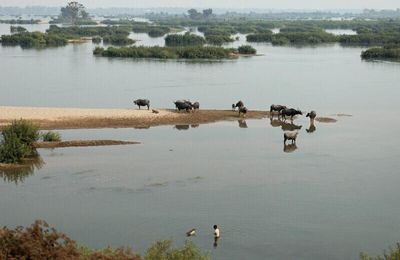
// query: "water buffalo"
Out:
[239,105]
[142,103]
[183,105]
[291,112]
[312,115]
[292,136]
[243,111]
[276,108]
[196,105]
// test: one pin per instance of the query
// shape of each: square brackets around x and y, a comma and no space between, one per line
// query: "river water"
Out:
[332,196]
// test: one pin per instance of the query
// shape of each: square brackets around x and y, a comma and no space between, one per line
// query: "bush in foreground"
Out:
[39,241]
[392,254]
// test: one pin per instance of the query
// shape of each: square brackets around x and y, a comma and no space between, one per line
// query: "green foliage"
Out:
[33,40]
[259,37]
[73,32]
[96,39]
[303,38]
[150,29]
[12,150]
[117,39]
[247,49]
[107,253]
[17,141]
[162,250]
[51,136]
[381,53]
[20,21]
[17,29]
[184,40]
[74,13]
[392,254]
[192,52]
[370,39]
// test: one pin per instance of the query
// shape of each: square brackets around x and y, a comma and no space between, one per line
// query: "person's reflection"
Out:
[216,242]
[242,123]
[311,128]
[289,148]
[182,127]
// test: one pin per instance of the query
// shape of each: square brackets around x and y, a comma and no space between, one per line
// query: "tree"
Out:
[73,12]
[207,13]
[193,14]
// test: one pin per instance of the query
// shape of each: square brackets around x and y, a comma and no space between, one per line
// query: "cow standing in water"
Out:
[142,103]
[276,108]
[291,112]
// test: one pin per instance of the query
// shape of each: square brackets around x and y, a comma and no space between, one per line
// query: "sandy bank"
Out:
[75,118]
[81,143]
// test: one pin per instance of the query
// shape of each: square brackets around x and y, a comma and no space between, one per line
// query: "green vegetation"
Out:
[17,29]
[20,21]
[33,40]
[150,29]
[370,39]
[195,52]
[259,37]
[51,136]
[163,250]
[17,141]
[392,254]
[247,49]
[187,39]
[96,39]
[382,53]
[117,40]
[74,13]
[39,241]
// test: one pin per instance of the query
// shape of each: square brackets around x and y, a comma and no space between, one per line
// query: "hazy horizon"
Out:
[239,4]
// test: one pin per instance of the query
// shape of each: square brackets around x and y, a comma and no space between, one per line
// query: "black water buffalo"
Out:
[312,115]
[276,108]
[142,103]
[196,105]
[183,105]
[239,105]
[291,112]
[243,111]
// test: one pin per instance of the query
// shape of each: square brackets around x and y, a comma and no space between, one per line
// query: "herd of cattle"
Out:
[279,110]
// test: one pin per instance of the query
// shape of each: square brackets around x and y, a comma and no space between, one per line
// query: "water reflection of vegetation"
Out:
[21,172]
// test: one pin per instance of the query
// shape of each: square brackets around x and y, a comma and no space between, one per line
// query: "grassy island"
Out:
[195,52]
[382,53]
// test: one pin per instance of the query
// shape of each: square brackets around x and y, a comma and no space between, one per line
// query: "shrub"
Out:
[17,143]
[51,137]
[393,254]
[162,250]
[247,49]
[25,131]
[184,40]
[36,242]
[96,39]
[259,37]
[12,150]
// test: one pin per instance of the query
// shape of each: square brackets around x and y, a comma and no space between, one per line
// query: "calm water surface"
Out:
[332,197]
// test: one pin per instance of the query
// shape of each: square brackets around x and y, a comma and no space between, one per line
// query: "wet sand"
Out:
[80,118]
[81,143]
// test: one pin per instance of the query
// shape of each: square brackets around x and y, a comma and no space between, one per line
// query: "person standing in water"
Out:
[216,235]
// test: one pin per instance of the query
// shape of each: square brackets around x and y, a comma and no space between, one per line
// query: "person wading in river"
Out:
[216,235]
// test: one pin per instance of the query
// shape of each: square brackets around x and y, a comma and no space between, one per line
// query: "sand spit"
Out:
[81,143]
[80,118]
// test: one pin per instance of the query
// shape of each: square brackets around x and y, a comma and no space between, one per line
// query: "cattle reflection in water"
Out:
[289,148]
[185,127]
[311,128]
[284,125]
[242,123]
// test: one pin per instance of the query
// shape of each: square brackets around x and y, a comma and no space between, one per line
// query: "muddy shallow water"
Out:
[333,196]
